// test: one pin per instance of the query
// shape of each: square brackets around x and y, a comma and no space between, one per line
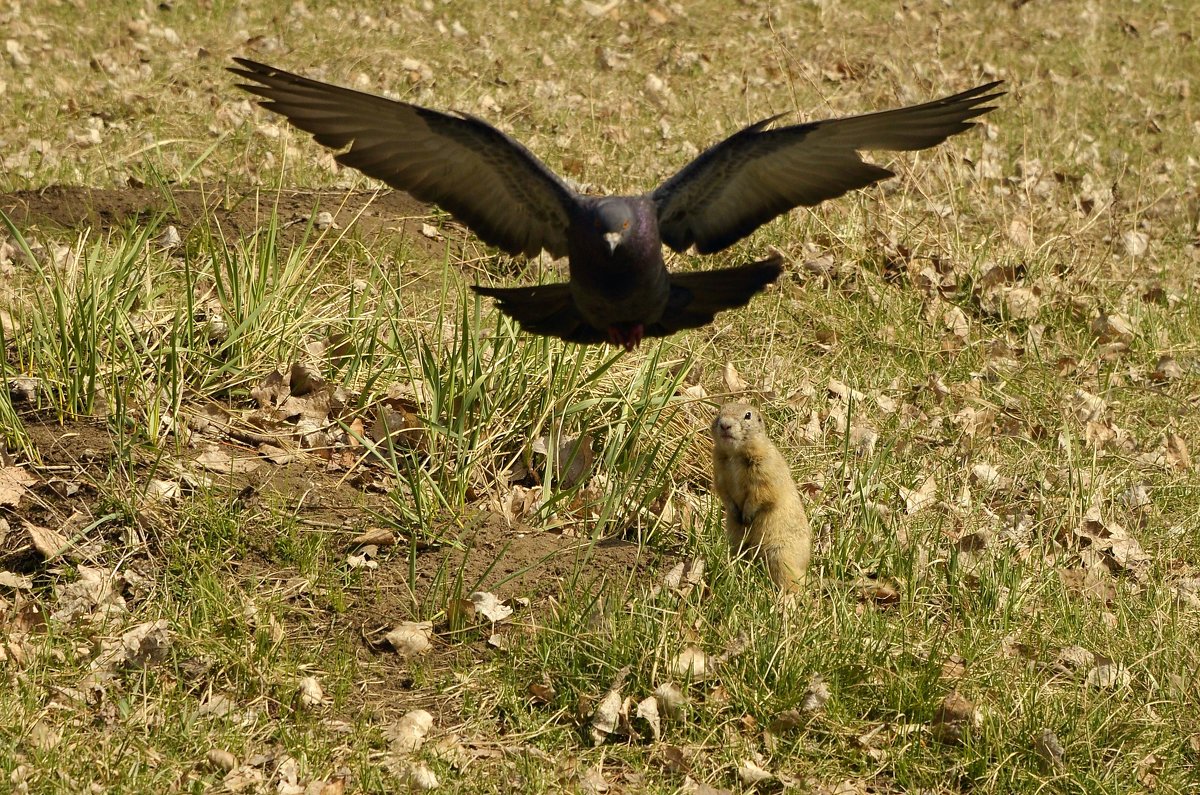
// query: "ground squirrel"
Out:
[764,517]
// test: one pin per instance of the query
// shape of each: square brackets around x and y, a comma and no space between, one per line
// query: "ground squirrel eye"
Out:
[749,415]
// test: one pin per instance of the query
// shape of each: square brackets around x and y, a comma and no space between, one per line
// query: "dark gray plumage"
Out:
[619,289]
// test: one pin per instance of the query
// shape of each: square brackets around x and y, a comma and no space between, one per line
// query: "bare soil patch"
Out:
[369,215]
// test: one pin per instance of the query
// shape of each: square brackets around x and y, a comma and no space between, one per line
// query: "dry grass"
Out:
[1014,313]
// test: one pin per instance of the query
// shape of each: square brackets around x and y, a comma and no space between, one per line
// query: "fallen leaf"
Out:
[220,759]
[593,782]
[1112,328]
[216,460]
[310,692]
[542,692]
[881,593]
[411,638]
[421,778]
[645,719]
[1167,369]
[1177,454]
[376,536]
[917,500]
[606,720]
[683,576]
[49,543]
[1049,750]
[488,606]
[691,663]
[144,645]
[734,383]
[671,700]
[1136,243]
[407,735]
[17,582]
[14,482]
[675,760]
[1108,676]
[750,774]
[816,696]
[573,458]
[954,719]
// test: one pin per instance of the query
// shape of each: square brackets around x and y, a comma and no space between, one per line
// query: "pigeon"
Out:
[619,290]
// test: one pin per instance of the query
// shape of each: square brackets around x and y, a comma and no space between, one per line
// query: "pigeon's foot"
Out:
[627,338]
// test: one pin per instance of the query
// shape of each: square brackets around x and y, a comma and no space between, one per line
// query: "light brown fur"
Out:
[764,516]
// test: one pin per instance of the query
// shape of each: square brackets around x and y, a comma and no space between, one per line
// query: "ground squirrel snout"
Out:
[764,517]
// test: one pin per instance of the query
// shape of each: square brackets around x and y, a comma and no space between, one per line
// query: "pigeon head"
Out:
[614,222]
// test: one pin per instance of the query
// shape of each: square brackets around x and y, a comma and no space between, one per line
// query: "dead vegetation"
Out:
[282,509]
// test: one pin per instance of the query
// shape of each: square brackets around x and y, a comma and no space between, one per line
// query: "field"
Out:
[285,508]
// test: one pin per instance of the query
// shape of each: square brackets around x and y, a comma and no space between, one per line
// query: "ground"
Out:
[285,508]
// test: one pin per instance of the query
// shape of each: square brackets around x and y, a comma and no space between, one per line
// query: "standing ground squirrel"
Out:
[763,513]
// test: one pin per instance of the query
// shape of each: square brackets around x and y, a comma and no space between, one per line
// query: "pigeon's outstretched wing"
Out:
[696,297]
[482,177]
[737,185]
[546,309]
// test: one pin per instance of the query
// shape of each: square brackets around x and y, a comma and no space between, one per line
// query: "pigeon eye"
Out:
[625,225]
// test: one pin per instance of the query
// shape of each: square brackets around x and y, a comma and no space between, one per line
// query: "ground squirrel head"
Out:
[735,424]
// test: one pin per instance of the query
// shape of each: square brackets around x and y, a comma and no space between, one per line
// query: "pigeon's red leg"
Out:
[627,340]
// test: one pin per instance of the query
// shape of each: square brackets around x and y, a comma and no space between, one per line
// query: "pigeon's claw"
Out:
[627,339]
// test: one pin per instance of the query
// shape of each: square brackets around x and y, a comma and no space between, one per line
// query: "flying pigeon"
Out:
[619,289]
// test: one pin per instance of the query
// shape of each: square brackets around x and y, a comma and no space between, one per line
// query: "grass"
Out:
[1019,237]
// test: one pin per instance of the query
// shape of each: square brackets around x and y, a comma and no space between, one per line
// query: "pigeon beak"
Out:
[613,239]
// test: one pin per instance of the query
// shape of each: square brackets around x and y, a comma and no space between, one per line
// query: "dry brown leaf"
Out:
[49,543]
[955,718]
[645,719]
[880,593]
[1049,750]
[411,638]
[1112,328]
[407,735]
[606,720]
[220,759]
[542,692]
[751,774]
[16,582]
[146,644]
[1021,303]
[671,700]
[816,696]
[733,382]
[1086,406]
[593,782]
[917,500]
[14,482]
[1136,243]
[489,606]
[310,692]
[1108,676]
[1166,370]
[421,778]
[1177,454]
[691,663]
[397,423]
[227,463]
[675,760]
[955,321]
[1071,659]
[573,458]
[683,576]
[376,536]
